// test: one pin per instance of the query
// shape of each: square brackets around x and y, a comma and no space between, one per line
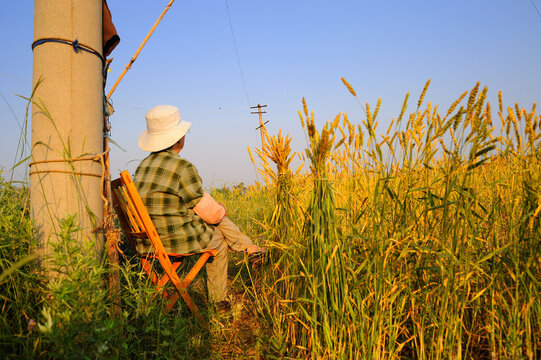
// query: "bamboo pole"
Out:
[134,57]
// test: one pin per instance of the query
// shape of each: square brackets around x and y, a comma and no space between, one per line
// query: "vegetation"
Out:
[421,241]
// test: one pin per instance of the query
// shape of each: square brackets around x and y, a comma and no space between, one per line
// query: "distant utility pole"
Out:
[261,126]
[263,132]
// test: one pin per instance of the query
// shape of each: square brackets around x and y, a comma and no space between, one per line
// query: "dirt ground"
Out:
[235,333]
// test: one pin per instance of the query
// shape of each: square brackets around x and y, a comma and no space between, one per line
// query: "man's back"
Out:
[170,187]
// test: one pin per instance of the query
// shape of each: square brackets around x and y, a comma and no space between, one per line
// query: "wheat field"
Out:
[418,241]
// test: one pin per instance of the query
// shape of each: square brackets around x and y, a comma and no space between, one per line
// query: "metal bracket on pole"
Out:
[257,128]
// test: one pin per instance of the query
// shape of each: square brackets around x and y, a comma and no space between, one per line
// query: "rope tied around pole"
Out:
[112,233]
[108,221]
[75,44]
[96,158]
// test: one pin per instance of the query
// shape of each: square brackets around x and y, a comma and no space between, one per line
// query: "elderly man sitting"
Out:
[187,218]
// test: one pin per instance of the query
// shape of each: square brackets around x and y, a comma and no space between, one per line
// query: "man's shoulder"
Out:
[164,158]
[162,162]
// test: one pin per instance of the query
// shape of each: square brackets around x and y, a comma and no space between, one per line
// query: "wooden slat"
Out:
[132,212]
[131,220]
[119,204]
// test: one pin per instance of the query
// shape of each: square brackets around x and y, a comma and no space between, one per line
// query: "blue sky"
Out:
[287,50]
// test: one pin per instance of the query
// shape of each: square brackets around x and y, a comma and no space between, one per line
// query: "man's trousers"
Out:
[227,236]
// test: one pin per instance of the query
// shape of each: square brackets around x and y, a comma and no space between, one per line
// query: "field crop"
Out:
[419,241]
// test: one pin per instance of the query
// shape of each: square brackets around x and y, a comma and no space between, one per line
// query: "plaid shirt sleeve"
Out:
[190,185]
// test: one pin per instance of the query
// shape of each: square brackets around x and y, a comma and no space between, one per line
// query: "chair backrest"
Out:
[135,218]
[125,211]
[136,221]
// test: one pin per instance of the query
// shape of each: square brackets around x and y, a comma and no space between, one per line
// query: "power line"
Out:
[241,73]
[237,52]
[15,78]
[536,9]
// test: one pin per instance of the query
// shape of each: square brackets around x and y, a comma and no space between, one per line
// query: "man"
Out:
[187,219]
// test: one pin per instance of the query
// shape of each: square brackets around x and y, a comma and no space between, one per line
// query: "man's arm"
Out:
[195,198]
[209,209]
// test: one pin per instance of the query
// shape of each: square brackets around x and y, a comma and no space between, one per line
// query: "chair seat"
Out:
[213,252]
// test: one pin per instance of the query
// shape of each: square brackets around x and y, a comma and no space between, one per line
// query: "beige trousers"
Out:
[227,236]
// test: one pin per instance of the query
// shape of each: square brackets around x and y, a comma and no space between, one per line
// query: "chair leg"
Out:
[159,282]
[148,269]
[184,285]
[188,300]
[165,278]
[195,269]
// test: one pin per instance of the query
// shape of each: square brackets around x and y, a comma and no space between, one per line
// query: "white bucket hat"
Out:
[164,128]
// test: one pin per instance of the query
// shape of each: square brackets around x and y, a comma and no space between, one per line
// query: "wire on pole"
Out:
[536,9]
[237,53]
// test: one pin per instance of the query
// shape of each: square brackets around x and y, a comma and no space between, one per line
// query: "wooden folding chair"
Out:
[136,223]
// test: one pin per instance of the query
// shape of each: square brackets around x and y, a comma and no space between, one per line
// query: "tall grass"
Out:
[423,242]
[16,297]
[69,315]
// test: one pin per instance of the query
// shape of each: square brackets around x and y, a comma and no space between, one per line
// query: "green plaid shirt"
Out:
[170,187]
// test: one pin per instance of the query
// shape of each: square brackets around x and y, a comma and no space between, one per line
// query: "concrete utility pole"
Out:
[67,119]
